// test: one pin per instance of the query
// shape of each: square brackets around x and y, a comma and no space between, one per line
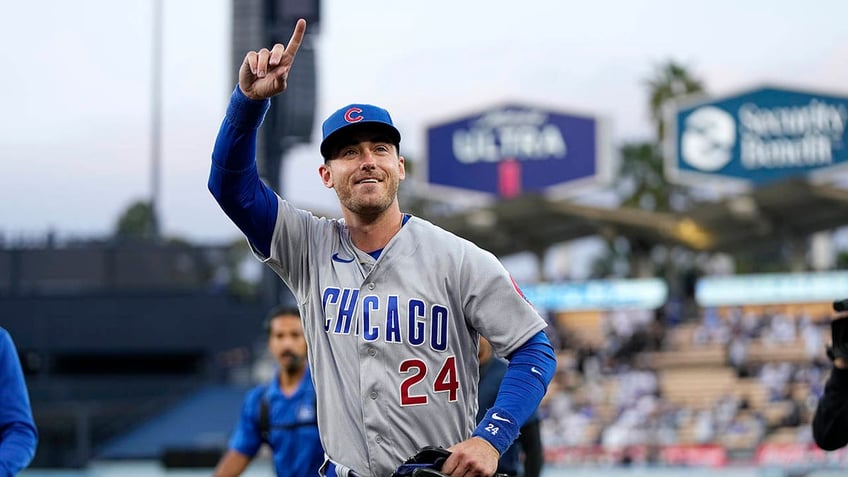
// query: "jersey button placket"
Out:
[371,286]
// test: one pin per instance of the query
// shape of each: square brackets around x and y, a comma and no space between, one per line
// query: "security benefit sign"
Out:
[757,136]
[512,149]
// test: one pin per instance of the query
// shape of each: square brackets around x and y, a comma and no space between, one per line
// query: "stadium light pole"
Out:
[156,119]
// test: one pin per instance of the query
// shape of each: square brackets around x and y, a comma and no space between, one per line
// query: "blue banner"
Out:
[641,293]
[512,149]
[772,288]
[759,136]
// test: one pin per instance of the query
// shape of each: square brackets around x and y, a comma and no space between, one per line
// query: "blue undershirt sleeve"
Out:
[18,435]
[234,179]
[531,368]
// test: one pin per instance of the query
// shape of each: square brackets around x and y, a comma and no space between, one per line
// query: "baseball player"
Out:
[18,435]
[392,305]
[282,412]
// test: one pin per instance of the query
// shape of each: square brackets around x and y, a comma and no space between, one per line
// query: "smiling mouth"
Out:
[368,181]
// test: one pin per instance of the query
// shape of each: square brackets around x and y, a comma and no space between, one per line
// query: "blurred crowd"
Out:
[615,392]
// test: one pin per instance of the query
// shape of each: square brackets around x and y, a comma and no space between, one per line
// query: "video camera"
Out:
[839,332]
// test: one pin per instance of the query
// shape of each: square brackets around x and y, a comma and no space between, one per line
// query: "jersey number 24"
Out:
[445,382]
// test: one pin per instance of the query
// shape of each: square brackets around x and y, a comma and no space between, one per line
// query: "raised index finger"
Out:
[296,38]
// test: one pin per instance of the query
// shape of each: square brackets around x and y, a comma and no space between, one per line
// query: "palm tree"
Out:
[670,81]
[641,178]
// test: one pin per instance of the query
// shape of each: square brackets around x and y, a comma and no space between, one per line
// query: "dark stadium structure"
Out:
[110,334]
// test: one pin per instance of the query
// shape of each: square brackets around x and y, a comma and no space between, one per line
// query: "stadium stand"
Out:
[689,391]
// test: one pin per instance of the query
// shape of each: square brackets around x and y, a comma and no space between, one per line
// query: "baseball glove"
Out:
[427,462]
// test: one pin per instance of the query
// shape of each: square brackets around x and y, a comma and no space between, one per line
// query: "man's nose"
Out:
[368,160]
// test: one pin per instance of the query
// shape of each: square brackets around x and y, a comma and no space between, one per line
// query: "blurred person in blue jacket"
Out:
[528,446]
[280,413]
[18,435]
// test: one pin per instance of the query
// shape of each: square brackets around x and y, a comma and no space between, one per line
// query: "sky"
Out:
[76,85]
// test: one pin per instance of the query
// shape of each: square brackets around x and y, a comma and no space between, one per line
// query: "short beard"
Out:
[295,364]
[371,208]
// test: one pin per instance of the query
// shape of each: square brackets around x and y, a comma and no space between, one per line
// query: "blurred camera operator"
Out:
[830,423]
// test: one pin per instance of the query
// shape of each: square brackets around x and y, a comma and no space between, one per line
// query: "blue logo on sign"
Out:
[759,136]
[336,258]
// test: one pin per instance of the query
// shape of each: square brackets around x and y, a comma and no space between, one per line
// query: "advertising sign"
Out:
[512,149]
[638,293]
[771,288]
[757,136]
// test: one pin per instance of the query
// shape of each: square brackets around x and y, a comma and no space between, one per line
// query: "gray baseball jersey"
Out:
[393,342]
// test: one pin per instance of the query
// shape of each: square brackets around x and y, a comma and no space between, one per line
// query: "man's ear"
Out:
[326,176]
[401,168]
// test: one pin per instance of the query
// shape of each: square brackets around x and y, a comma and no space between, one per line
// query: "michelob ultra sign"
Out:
[511,149]
[757,136]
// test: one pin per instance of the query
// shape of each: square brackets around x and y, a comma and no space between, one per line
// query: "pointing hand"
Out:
[263,73]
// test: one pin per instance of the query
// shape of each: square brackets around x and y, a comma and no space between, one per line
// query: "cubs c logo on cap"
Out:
[353,115]
[356,115]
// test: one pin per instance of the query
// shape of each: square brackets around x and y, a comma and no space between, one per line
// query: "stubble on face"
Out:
[287,343]
[368,200]
[291,362]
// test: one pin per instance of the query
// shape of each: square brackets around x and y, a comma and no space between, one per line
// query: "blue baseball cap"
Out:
[350,118]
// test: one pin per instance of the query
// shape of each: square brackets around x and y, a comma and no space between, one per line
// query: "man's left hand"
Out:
[474,457]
